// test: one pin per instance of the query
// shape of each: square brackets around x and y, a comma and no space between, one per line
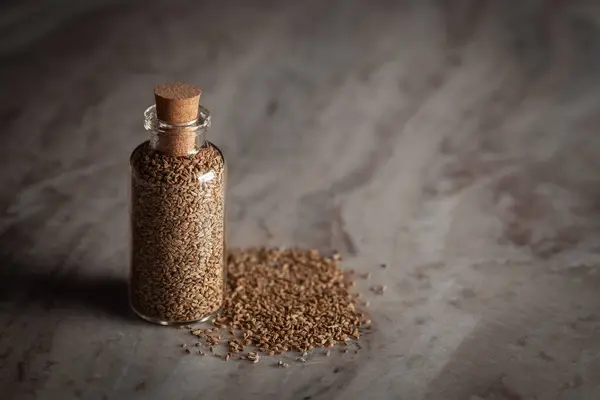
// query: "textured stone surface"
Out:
[455,141]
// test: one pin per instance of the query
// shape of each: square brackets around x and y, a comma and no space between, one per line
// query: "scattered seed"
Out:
[327,353]
[383,265]
[202,353]
[301,360]
[379,289]
[290,287]
[253,356]
[184,345]
[281,364]
[188,351]
[304,300]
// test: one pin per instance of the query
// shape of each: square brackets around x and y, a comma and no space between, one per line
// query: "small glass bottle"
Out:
[177,212]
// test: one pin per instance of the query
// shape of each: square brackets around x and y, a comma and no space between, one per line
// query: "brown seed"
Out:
[253,356]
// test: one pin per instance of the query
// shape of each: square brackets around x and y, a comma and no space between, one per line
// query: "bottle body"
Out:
[177,233]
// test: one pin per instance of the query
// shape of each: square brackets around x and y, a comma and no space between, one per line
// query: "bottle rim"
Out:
[152,123]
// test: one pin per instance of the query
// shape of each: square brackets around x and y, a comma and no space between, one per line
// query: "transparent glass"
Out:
[177,209]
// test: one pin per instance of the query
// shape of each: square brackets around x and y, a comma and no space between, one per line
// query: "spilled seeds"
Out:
[290,299]
[281,300]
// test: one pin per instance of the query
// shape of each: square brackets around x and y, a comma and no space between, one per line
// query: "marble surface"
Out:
[455,141]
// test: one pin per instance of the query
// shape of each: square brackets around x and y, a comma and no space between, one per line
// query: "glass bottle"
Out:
[177,213]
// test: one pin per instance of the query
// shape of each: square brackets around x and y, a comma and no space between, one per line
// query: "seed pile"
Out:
[177,221]
[280,300]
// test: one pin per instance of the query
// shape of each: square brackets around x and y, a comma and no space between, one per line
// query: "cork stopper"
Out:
[177,103]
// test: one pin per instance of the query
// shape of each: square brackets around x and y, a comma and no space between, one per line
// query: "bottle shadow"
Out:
[23,285]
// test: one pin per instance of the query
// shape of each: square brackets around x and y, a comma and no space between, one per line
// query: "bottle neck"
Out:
[177,139]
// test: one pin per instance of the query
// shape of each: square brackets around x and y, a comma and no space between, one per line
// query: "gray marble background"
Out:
[455,141]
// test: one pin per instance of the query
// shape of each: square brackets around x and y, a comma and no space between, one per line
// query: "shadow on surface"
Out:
[53,291]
